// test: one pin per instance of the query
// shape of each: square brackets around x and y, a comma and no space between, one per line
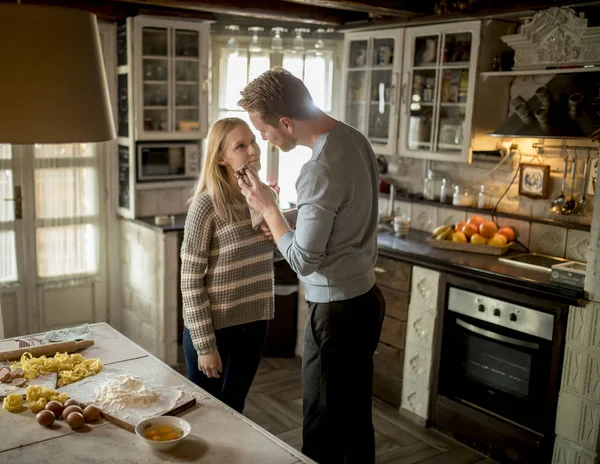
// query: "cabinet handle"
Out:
[404,92]
[395,85]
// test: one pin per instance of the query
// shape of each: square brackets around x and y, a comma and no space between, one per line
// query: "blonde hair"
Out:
[213,177]
[277,93]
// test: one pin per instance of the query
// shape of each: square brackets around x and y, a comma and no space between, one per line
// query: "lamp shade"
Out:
[52,86]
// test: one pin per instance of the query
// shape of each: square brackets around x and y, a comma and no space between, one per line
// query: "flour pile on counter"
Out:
[124,392]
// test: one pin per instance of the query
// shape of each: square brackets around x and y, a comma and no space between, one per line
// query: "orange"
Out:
[508,232]
[497,240]
[477,220]
[460,225]
[488,229]
[469,230]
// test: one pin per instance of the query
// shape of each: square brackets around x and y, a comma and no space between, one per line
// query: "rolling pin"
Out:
[49,350]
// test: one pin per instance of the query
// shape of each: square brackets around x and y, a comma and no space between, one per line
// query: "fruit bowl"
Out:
[469,247]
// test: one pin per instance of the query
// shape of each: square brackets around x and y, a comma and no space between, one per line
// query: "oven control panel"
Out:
[502,313]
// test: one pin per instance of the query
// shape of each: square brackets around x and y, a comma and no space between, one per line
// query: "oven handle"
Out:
[495,336]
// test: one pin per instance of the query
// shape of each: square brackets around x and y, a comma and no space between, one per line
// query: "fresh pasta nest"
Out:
[70,368]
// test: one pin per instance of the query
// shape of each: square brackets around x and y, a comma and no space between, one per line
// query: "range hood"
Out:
[562,120]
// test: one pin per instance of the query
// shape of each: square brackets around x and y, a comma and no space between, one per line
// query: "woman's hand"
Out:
[210,364]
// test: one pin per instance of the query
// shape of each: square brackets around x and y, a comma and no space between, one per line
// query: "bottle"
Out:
[482,199]
[463,86]
[429,186]
[445,193]
[462,197]
[428,91]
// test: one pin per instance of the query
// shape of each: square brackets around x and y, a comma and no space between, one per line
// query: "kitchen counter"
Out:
[415,250]
[176,225]
[219,434]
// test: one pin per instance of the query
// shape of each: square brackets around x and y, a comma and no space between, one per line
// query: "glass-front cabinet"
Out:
[171,79]
[371,80]
[439,74]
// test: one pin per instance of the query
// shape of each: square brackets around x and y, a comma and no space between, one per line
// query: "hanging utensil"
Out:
[570,205]
[559,202]
[583,201]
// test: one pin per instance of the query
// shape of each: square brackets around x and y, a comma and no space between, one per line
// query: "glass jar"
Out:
[462,197]
[431,186]
[445,192]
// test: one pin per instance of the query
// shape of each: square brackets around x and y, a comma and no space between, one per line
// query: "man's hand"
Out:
[264,228]
[258,195]
[210,364]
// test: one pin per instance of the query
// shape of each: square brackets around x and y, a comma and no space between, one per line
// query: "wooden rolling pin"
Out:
[49,350]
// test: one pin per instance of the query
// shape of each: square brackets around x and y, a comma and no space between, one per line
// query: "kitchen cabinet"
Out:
[438,91]
[394,281]
[163,66]
[371,79]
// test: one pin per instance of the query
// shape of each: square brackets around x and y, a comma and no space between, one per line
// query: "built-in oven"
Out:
[158,162]
[497,357]
[500,361]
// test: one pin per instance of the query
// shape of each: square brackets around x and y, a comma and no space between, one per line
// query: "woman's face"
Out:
[240,149]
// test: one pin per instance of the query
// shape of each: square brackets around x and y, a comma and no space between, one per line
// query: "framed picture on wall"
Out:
[534,180]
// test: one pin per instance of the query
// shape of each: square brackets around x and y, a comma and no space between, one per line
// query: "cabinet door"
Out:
[155,70]
[371,79]
[186,81]
[440,65]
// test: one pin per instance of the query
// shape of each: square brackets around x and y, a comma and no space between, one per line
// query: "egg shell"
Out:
[72,402]
[56,407]
[75,420]
[45,418]
[91,413]
[70,409]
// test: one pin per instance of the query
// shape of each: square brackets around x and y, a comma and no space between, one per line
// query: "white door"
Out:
[53,223]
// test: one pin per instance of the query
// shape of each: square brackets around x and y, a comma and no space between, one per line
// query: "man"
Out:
[333,249]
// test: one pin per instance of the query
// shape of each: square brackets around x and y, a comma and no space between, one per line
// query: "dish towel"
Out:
[81,332]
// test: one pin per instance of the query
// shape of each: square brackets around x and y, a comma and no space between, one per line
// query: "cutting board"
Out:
[84,392]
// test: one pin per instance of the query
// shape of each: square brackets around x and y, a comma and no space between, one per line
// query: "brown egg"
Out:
[56,407]
[71,402]
[75,420]
[91,413]
[70,409]
[45,418]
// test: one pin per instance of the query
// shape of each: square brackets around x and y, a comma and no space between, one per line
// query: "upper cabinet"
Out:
[371,79]
[167,78]
[439,76]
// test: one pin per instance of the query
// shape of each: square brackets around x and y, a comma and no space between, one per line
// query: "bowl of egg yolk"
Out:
[163,432]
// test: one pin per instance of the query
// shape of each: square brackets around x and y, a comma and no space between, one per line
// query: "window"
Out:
[238,68]
[66,209]
[8,262]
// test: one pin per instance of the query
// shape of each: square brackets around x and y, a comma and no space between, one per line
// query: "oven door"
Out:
[495,369]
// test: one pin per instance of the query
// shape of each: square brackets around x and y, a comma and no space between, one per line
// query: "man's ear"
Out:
[286,123]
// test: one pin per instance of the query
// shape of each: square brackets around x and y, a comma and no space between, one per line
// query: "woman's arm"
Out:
[195,249]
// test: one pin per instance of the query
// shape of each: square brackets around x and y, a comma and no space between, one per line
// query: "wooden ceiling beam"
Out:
[404,8]
[273,10]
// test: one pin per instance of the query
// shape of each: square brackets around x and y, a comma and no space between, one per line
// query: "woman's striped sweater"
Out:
[226,273]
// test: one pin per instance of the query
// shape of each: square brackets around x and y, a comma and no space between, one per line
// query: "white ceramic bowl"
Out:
[159,421]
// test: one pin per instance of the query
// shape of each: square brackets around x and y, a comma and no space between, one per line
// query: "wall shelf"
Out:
[540,220]
[535,72]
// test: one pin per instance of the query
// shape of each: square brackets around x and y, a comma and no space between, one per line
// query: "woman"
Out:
[226,271]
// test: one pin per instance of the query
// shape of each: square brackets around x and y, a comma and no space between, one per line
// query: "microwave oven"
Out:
[157,162]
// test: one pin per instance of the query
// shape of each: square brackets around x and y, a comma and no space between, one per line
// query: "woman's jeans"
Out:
[240,348]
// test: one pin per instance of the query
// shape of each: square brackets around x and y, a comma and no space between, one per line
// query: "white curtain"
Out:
[66,210]
[8,257]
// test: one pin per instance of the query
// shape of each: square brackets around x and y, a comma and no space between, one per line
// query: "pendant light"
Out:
[298,42]
[53,85]
[233,44]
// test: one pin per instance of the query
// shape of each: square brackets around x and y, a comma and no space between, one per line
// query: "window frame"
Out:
[219,42]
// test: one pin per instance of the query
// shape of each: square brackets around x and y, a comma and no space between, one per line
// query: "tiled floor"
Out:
[275,403]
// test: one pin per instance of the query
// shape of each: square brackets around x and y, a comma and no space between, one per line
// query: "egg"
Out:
[56,407]
[71,402]
[70,409]
[75,420]
[45,418]
[91,413]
